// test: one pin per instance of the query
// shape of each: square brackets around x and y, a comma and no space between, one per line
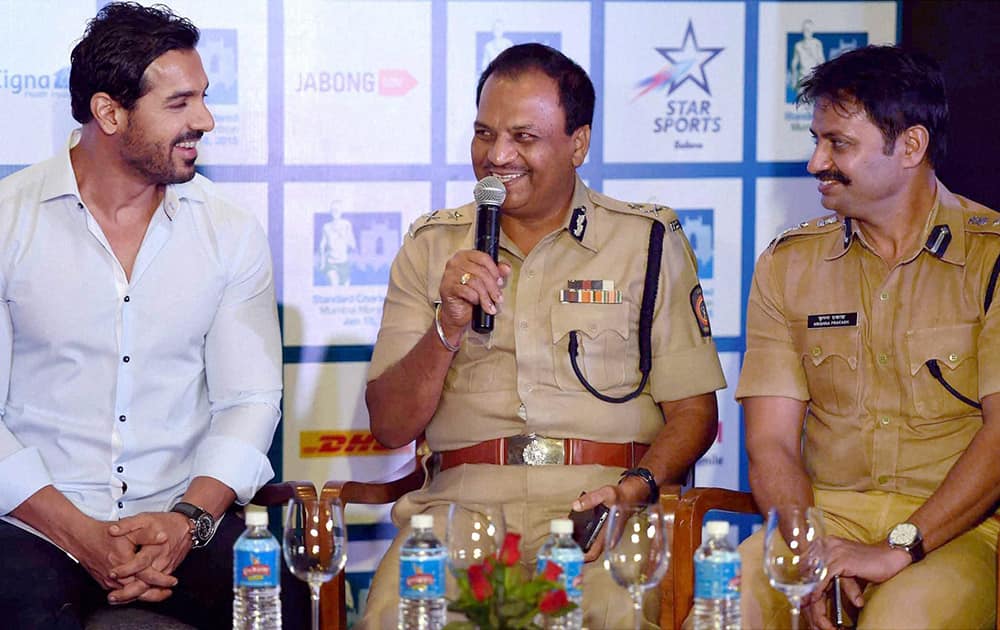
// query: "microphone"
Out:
[490,194]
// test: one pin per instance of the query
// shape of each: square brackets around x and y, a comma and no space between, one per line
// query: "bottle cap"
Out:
[256,518]
[561,526]
[717,529]
[422,521]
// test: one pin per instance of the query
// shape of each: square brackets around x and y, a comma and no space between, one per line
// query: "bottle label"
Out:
[422,578]
[257,569]
[571,578]
[717,580]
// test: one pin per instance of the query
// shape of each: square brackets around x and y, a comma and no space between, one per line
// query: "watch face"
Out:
[903,535]
[203,527]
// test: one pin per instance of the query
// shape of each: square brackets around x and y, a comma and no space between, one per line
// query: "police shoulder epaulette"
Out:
[458,216]
[982,220]
[822,225]
[657,212]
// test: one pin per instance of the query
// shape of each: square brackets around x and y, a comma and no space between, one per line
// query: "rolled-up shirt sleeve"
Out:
[243,370]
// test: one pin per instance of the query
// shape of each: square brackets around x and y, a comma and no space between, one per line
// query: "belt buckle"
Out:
[535,450]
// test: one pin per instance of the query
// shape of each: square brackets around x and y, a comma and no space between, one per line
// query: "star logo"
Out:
[687,63]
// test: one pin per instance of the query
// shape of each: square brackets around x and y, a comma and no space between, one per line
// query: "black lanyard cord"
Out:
[649,290]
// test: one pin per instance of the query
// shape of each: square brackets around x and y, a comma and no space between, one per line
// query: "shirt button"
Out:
[120,505]
[79,205]
[530,388]
[126,359]
[884,420]
[884,296]
[523,324]
[120,469]
[121,418]
[953,357]
[816,351]
[882,358]
[128,299]
[531,273]
[883,479]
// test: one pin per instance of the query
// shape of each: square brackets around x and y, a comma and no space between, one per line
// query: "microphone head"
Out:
[490,191]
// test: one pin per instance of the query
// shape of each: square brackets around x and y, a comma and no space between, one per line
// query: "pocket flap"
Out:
[589,319]
[820,344]
[950,345]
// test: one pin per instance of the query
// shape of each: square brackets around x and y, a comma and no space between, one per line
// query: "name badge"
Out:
[833,320]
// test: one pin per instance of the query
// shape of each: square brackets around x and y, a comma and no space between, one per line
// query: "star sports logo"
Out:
[687,63]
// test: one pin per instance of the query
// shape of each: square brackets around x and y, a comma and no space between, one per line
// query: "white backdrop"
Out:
[366,107]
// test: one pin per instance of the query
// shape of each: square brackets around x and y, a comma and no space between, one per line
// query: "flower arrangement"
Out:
[495,595]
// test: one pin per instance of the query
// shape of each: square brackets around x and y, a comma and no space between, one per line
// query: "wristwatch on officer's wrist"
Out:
[202,523]
[906,536]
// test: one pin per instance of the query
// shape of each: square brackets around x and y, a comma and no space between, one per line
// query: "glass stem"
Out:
[314,592]
[636,593]
[795,613]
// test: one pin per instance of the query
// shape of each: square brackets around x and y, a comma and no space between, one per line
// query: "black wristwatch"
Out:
[202,523]
[906,536]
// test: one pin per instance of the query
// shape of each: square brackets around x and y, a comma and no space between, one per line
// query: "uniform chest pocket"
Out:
[830,361]
[603,332]
[954,348]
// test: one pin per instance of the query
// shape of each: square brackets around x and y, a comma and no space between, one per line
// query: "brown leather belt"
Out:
[535,450]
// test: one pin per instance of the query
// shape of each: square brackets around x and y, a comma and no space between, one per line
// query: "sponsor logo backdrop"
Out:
[339,123]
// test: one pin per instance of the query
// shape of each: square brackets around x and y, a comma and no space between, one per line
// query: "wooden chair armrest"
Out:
[281,492]
[690,513]
[410,476]
[388,489]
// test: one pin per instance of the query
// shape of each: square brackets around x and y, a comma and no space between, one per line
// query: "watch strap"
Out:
[197,516]
[646,475]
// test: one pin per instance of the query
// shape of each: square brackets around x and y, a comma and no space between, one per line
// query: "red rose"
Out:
[509,553]
[553,601]
[481,587]
[552,571]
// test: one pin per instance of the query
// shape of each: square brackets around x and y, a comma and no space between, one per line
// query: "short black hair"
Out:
[897,90]
[117,47]
[576,91]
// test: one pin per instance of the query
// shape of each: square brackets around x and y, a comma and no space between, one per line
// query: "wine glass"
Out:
[315,544]
[474,533]
[637,549]
[794,553]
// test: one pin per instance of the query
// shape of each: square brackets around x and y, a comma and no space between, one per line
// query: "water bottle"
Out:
[422,562]
[561,549]
[716,581]
[256,576]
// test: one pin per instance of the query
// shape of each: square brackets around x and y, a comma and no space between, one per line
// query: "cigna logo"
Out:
[29,84]
[340,443]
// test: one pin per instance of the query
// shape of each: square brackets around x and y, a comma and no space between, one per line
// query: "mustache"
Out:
[834,175]
[188,137]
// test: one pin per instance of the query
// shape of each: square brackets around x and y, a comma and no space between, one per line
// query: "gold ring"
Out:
[464,280]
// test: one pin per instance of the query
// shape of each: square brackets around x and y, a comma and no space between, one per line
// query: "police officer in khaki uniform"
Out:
[871,368]
[508,418]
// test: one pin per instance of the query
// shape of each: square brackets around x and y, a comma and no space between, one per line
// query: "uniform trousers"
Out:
[954,586]
[42,587]
[531,496]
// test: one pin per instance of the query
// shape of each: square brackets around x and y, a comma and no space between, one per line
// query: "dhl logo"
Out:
[339,443]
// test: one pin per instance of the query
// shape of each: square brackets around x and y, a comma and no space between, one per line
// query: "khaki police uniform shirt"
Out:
[518,379]
[828,322]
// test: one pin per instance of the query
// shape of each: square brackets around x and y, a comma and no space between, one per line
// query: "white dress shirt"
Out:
[120,391]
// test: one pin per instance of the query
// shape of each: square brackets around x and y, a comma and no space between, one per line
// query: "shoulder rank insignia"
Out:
[458,216]
[816,226]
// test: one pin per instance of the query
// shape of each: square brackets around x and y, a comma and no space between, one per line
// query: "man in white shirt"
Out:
[140,358]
